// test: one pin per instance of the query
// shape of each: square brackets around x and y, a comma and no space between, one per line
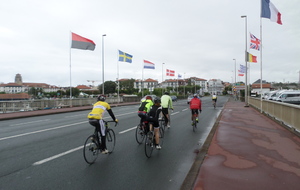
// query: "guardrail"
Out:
[288,114]
[30,105]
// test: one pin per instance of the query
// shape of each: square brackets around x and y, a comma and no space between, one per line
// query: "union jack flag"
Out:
[254,42]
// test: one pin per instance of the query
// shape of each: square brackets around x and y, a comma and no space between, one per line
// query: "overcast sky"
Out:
[196,38]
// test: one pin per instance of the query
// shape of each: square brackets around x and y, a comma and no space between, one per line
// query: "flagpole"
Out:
[118,81]
[142,83]
[261,48]
[70,70]
[246,73]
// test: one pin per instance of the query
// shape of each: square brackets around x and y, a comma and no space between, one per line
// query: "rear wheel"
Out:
[140,133]
[110,140]
[194,124]
[149,145]
[90,149]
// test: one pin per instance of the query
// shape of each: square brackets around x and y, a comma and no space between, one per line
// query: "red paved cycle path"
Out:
[248,151]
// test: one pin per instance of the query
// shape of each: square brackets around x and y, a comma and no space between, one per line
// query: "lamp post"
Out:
[234,72]
[246,72]
[103,63]
[162,77]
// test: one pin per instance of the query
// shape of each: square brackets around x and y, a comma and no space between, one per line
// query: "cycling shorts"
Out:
[165,110]
[194,111]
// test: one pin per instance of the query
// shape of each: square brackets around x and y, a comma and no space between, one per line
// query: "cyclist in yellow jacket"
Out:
[96,119]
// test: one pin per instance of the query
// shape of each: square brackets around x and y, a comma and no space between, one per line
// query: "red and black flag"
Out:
[80,42]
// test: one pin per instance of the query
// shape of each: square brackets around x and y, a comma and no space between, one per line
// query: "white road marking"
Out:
[175,113]
[24,134]
[56,156]
[38,121]
[121,132]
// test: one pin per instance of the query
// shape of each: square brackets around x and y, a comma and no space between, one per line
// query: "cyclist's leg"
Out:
[103,137]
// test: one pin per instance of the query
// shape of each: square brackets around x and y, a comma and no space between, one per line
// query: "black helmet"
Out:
[167,93]
[157,100]
[101,98]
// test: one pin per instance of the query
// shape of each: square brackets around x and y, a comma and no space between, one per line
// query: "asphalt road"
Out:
[45,152]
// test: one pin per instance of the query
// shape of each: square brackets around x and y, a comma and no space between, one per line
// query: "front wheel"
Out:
[110,140]
[90,149]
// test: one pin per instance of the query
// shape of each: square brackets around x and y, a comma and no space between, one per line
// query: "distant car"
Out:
[153,97]
[174,98]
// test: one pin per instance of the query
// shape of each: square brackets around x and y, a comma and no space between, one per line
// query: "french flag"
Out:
[148,65]
[268,10]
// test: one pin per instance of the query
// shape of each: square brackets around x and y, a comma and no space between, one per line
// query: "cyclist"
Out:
[166,103]
[145,108]
[195,105]
[214,98]
[153,120]
[96,119]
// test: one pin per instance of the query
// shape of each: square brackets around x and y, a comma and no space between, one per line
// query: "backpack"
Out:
[142,106]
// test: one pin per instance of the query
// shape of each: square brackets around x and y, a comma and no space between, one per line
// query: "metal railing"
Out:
[30,105]
[288,114]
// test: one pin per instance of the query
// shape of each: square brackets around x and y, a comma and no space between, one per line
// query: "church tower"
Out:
[18,79]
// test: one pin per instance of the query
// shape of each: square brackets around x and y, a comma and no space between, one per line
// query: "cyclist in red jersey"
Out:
[195,105]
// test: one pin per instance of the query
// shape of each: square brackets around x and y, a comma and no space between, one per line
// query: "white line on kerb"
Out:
[56,156]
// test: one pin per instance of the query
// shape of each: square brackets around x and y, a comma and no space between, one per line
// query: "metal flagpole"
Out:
[261,47]
[142,82]
[118,81]
[246,72]
[70,70]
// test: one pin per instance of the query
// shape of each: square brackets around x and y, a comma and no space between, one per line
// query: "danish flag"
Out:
[170,72]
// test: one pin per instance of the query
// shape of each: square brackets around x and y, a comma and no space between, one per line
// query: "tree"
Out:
[109,87]
[126,86]
[75,92]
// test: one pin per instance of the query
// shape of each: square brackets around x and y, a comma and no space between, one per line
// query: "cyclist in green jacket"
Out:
[166,103]
[145,108]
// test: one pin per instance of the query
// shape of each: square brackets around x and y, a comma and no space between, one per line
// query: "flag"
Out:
[254,42]
[125,57]
[251,58]
[268,10]
[179,76]
[241,74]
[148,65]
[170,72]
[242,69]
[80,42]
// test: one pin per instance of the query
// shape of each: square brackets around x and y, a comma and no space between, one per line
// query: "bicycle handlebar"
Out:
[111,122]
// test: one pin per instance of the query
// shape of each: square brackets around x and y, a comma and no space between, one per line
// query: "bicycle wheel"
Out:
[161,136]
[194,124]
[149,145]
[139,134]
[110,140]
[162,123]
[90,149]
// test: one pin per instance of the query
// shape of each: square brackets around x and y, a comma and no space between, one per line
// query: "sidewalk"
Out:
[14,115]
[248,151]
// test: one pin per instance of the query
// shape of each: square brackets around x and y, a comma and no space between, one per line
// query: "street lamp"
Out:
[234,72]
[103,63]
[246,72]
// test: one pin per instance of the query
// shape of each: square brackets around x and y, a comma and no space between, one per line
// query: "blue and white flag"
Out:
[179,76]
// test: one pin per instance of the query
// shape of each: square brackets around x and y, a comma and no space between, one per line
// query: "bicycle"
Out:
[150,142]
[194,122]
[141,131]
[214,104]
[92,144]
